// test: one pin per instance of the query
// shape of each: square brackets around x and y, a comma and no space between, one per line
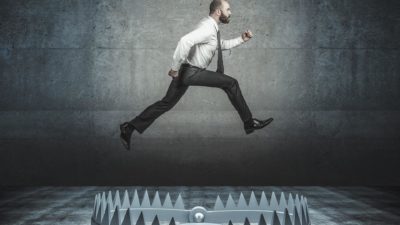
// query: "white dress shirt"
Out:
[198,47]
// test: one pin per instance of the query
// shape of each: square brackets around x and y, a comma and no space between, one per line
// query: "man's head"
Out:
[221,10]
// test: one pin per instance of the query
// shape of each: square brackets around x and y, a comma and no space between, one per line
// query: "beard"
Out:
[224,19]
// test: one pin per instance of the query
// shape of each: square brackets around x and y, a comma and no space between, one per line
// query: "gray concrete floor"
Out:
[327,205]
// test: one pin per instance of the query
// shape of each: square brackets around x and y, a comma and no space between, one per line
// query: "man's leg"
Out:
[146,118]
[229,84]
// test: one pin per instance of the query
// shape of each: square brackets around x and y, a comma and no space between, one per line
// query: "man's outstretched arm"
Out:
[228,44]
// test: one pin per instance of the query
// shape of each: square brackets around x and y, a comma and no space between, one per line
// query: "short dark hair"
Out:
[214,5]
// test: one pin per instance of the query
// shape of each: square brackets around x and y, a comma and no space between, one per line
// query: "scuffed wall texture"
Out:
[327,70]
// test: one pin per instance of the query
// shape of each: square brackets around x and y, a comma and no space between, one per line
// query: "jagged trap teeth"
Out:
[129,210]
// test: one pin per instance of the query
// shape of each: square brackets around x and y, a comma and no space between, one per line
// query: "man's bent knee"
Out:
[233,82]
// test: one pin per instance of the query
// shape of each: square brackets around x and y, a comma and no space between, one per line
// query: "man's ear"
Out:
[219,12]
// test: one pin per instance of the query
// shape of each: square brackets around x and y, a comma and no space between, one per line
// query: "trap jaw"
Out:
[117,211]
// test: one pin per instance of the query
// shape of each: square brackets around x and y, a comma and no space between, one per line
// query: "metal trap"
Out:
[130,211]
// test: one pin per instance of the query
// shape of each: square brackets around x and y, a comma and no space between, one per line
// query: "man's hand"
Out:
[173,73]
[247,35]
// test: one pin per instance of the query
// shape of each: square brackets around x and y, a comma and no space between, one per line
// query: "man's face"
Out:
[225,12]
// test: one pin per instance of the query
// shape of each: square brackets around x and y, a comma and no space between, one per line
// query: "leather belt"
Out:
[190,66]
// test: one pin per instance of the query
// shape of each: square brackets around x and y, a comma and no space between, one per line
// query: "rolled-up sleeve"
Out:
[228,44]
[201,34]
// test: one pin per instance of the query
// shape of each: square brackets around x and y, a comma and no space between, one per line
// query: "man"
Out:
[193,54]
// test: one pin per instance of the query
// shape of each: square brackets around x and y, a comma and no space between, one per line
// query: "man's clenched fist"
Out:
[247,35]
[173,73]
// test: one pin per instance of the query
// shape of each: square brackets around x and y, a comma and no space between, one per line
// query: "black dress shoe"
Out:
[126,133]
[258,124]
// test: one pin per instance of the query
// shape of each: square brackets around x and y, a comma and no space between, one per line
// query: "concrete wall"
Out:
[327,70]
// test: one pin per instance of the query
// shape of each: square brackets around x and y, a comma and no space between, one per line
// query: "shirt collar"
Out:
[214,22]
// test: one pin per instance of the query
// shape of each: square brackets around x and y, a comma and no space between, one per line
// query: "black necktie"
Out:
[220,67]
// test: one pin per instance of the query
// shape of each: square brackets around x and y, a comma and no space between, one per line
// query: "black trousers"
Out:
[193,76]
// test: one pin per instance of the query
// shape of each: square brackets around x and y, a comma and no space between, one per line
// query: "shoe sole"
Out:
[268,122]
[126,146]
[249,131]
[253,129]
[124,143]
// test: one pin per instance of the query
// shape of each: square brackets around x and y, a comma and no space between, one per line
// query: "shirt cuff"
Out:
[237,41]
[176,66]
[241,39]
